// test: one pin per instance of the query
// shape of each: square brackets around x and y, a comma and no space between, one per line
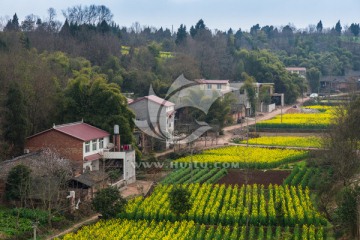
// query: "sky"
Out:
[217,14]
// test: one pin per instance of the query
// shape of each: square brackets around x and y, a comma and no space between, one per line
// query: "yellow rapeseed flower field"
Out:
[286,141]
[244,157]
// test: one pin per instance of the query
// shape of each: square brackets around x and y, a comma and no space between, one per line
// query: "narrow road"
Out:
[76,226]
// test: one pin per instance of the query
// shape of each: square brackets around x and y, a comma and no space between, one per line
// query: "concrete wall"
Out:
[129,169]
[98,149]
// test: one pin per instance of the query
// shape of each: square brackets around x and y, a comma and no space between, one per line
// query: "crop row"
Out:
[298,121]
[188,175]
[129,229]
[306,177]
[218,204]
[243,157]
[285,141]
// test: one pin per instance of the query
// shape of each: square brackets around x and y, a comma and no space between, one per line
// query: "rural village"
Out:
[145,133]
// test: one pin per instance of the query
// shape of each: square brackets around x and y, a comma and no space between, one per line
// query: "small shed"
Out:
[88,183]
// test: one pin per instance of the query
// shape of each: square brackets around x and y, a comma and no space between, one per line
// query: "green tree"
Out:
[319,27]
[179,200]
[13,25]
[89,96]
[313,76]
[347,213]
[181,35]
[109,202]
[15,124]
[354,28]
[250,91]
[338,28]
[18,184]
[342,142]
[219,112]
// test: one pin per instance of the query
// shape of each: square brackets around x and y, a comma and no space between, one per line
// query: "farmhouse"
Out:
[156,116]
[301,71]
[221,86]
[87,147]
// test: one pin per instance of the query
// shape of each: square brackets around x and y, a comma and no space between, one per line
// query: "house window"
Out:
[218,86]
[101,143]
[87,147]
[94,145]
[209,86]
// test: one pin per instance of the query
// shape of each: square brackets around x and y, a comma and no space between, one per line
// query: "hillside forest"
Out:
[58,72]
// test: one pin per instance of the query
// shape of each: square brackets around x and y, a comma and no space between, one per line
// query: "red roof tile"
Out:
[82,131]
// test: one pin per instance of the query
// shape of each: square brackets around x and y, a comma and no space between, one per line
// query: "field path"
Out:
[76,226]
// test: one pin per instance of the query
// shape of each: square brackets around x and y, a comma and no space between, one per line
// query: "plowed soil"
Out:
[264,177]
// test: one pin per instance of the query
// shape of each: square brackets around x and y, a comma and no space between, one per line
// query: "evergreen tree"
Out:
[18,183]
[13,25]
[181,35]
[319,27]
[104,27]
[65,29]
[338,28]
[192,31]
[354,28]
[15,125]
[313,75]
[254,29]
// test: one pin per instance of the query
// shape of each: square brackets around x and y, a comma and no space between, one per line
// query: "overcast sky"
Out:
[217,14]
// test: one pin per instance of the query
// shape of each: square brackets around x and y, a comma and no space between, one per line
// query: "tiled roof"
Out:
[82,131]
[154,99]
[79,130]
[204,81]
[91,178]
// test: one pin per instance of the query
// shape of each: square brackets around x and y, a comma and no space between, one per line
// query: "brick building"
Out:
[87,147]
[79,142]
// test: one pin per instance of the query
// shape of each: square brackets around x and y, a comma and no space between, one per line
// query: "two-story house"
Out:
[87,147]
[155,111]
[301,71]
[221,86]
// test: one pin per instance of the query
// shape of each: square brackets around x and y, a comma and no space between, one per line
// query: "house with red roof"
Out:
[87,147]
[157,116]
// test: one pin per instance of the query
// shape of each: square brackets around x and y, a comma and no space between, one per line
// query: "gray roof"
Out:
[91,178]
[26,160]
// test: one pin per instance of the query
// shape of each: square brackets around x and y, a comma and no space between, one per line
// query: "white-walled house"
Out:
[301,71]
[156,111]
[221,86]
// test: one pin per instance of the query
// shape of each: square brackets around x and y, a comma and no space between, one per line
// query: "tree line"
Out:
[54,72]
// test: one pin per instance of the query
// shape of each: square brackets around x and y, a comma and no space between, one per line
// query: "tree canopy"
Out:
[90,97]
